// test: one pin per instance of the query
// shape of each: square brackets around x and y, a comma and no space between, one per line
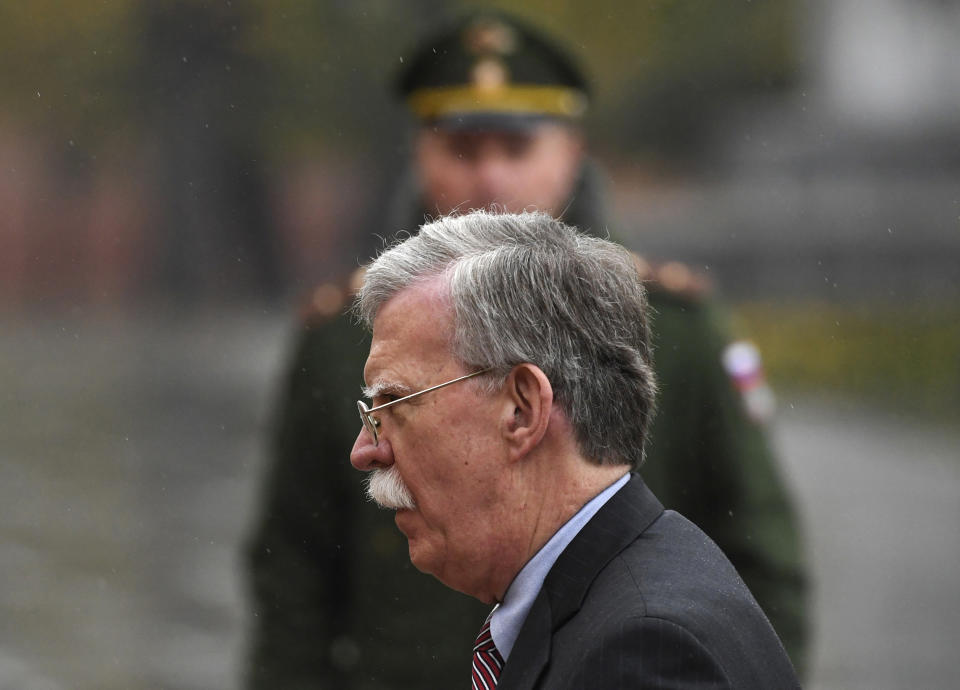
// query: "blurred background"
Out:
[177,176]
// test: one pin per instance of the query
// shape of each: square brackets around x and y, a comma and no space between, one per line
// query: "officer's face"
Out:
[535,168]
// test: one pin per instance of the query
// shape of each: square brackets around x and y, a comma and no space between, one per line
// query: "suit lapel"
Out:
[618,523]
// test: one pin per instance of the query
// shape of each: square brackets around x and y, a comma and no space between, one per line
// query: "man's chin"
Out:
[405,520]
[401,517]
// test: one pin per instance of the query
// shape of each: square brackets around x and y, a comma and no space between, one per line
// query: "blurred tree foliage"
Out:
[66,67]
[303,75]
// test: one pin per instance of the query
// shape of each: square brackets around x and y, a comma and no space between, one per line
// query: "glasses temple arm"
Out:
[426,390]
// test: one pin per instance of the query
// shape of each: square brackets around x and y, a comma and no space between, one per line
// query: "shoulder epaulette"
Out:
[331,299]
[673,277]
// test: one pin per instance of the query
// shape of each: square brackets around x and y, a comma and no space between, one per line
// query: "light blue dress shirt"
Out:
[508,617]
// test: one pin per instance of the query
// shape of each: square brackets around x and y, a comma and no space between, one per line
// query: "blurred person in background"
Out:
[336,602]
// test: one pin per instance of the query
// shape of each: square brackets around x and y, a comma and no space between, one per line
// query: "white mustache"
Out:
[387,490]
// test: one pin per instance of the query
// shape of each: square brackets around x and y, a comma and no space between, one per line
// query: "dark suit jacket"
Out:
[641,598]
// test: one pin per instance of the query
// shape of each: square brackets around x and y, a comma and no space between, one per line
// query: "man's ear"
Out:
[529,403]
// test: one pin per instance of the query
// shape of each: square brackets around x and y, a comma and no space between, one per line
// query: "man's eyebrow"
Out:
[380,386]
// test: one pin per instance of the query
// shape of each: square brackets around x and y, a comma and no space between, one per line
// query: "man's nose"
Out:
[366,456]
[494,173]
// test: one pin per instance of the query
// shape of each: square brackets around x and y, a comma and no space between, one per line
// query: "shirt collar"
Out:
[508,617]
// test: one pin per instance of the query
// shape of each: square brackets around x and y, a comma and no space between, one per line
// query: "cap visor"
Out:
[511,122]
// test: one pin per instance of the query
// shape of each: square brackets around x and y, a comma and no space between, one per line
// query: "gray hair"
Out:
[528,288]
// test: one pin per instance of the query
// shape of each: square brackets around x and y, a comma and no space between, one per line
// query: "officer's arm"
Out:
[755,522]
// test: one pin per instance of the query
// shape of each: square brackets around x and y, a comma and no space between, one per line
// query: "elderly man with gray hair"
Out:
[511,389]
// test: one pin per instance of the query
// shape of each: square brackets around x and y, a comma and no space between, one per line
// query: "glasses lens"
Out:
[368,422]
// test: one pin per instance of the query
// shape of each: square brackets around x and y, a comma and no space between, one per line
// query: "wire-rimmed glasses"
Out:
[372,424]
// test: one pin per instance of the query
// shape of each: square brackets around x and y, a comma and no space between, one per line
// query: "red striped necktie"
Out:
[487,661]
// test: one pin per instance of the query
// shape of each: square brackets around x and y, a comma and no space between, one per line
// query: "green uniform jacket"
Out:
[336,602]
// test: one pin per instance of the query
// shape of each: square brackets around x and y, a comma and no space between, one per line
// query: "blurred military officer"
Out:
[336,602]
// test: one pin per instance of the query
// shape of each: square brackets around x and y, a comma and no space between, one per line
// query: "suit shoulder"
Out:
[673,280]
[330,299]
[674,585]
